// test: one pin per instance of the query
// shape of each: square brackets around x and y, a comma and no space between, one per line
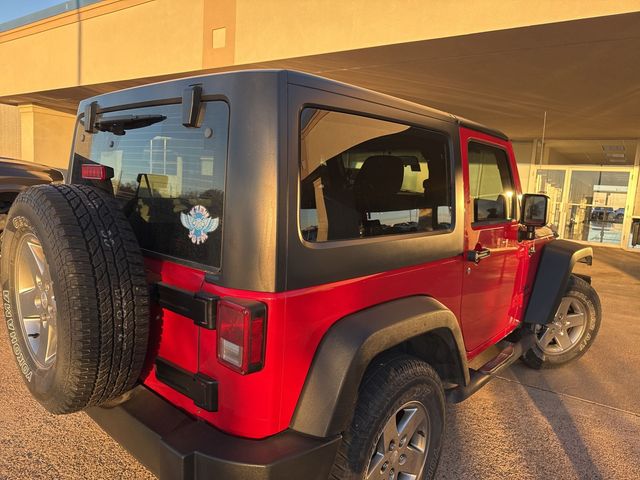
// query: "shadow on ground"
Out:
[581,421]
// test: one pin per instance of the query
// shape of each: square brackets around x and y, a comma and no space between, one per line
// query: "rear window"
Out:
[169,179]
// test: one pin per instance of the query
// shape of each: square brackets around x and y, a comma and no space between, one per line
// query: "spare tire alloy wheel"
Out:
[75,296]
[36,303]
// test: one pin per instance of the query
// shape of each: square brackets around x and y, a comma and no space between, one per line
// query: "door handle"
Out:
[476,255]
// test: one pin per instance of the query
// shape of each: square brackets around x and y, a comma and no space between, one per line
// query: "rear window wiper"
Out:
[118,125]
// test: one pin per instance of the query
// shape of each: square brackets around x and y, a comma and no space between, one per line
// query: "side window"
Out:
[362,177]
[490,183]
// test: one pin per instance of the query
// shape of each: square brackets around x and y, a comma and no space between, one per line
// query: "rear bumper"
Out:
[173,445]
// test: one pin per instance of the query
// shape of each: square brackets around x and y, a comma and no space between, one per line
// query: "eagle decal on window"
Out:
[199,223]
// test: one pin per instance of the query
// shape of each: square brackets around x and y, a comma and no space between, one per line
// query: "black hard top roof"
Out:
[167,89]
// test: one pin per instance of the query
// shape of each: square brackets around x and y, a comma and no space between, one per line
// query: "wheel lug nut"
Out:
[402,459]
[392,445]
[384,467]
[403,440]
[392,474]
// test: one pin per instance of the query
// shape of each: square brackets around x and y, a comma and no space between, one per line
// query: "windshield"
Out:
[169,178]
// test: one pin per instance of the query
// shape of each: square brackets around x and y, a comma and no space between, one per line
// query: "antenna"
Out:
[544,129]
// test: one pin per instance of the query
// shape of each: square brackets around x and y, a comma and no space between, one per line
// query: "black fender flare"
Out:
[557,259]
[326,404]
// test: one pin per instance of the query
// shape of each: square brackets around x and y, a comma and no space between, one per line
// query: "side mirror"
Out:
[535,212]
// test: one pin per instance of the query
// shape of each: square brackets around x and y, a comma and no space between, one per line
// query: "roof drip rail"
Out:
[191,101]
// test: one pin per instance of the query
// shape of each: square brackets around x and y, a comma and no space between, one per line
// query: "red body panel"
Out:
[262,403]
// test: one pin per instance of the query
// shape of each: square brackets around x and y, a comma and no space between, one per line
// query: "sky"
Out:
[12,9]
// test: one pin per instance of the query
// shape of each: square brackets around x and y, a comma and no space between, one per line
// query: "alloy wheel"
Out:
[567,328]
[401,449]
[36,303]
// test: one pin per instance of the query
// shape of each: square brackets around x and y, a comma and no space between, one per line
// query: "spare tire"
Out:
[75,296]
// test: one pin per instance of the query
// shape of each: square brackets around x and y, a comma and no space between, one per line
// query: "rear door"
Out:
[494,259]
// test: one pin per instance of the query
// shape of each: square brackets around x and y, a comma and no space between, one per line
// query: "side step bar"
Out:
[479,378]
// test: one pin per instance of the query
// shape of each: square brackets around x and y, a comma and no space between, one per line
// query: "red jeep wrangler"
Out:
[267,274]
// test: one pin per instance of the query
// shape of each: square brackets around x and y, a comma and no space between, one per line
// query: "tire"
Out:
[582,300]
[82,341]
[399,384]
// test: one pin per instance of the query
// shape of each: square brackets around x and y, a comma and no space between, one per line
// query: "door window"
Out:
[490,184]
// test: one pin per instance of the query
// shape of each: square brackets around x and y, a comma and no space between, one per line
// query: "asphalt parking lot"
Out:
[578,422]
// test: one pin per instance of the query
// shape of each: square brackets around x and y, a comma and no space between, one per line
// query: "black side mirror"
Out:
[535,212]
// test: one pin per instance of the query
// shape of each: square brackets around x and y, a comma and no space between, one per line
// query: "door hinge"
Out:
[200,388]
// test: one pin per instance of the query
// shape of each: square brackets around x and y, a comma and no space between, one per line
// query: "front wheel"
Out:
[573,330]
[398,424]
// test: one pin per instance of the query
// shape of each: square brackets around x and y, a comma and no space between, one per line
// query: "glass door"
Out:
[586,205]
[596,206]
[552,183]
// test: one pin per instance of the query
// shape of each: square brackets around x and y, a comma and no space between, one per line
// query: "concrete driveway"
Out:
[577,422]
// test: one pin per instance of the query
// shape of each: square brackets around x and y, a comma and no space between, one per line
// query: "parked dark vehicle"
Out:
[16,176]
[607,214]
[271,275]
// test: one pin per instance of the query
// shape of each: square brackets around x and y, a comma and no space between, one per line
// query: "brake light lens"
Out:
[94,172]
[241,331]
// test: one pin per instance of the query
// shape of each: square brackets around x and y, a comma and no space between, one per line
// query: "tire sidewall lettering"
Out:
[21,223]
[13,229]
[14,332]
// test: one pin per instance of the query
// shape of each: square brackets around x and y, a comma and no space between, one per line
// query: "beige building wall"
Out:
[278,29]
[130,39]
[9,131]
[46,135]
[107,41]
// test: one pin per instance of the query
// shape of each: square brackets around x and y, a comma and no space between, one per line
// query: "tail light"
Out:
[241,330]
[94,172]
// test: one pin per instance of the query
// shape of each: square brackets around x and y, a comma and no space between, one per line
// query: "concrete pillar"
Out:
[45,135]
[9,131]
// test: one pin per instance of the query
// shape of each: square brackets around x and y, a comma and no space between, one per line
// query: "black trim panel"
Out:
[200,388]
[199,307]
[310,264]
[463,122]
[325,406]
[173,445]
[557,260]
[256,106]
[269,256]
